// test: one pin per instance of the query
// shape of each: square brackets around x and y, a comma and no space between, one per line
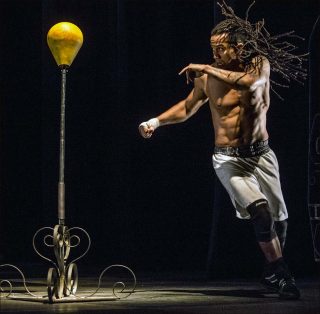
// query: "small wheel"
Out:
[72,280]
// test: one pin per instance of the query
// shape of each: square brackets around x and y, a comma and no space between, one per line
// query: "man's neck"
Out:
[234,65]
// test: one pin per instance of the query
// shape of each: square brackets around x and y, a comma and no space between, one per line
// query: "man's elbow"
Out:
[255,83]
[189,111]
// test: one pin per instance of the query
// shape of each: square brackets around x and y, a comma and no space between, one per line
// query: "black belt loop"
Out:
[256,149]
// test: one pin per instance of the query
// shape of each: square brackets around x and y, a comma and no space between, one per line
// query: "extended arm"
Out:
[256,75]
[180,112]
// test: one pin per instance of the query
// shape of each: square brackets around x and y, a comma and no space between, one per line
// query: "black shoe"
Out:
[270,282]
[276,277]
[288,289]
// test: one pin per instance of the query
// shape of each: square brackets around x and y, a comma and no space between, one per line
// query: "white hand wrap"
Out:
[154,123]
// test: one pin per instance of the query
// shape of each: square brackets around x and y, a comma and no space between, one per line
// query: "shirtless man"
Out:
[238,95]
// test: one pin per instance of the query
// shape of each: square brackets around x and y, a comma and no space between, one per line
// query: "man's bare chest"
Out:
[222,94]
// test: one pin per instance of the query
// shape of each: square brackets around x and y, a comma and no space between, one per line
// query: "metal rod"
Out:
[61,185]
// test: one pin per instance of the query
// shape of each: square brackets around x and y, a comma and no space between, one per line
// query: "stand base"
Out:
[72,299]
[62,279]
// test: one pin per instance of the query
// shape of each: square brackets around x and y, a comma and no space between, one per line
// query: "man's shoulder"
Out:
[260,63]
[259,60]
[201,79]
[200,83]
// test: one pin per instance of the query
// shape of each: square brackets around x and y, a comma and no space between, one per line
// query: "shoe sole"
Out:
[290,295]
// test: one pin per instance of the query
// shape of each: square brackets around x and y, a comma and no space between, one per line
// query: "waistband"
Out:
[256,149]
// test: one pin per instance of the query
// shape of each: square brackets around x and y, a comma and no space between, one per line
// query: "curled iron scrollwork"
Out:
[8,282]
[62,278]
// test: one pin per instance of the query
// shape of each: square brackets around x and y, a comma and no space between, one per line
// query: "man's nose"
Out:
[216,55]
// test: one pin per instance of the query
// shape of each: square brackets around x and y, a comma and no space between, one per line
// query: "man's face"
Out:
[223,52]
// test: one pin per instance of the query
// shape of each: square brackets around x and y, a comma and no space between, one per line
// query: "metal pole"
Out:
[61,185]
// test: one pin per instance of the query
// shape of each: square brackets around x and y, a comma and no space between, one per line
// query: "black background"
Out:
[146,203]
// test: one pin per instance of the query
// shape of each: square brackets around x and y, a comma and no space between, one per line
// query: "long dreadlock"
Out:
[259,43]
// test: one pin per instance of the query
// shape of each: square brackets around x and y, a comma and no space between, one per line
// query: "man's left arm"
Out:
[257,75]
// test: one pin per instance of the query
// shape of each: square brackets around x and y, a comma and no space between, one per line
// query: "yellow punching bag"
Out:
[64,40]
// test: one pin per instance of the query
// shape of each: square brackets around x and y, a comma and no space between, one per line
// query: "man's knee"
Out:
[262,220]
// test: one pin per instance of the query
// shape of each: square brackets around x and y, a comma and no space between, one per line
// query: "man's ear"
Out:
[238,48]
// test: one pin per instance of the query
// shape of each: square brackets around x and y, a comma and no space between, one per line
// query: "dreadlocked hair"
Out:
[258,43]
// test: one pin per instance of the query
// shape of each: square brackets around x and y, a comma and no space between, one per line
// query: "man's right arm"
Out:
[180,112]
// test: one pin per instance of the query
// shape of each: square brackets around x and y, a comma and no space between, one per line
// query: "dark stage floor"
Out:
[178,296]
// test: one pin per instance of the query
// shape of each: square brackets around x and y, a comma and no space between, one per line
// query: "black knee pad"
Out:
[262,220]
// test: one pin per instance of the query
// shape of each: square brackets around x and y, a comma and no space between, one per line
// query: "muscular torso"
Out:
[238,115]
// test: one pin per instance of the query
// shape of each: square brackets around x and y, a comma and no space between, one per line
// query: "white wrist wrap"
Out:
[154,122]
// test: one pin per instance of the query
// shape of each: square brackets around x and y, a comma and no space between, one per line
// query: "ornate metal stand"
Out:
[62,279]
[314,139]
